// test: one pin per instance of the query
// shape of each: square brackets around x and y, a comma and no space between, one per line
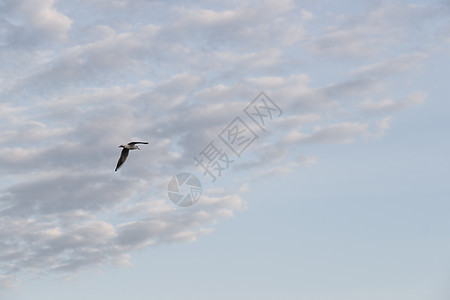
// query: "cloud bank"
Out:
[80,79]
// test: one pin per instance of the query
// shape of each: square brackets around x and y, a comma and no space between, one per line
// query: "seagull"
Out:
[125,150]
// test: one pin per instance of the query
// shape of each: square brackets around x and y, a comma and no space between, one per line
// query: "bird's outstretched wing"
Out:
[134,143]
[123,158]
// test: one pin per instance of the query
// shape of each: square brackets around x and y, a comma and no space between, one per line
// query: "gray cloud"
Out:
[88,82]
[368,33]
[31,21]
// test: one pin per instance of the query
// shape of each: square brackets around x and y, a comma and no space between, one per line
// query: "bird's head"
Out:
[121,146]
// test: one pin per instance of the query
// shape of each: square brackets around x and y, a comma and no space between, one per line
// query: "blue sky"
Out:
[343,196]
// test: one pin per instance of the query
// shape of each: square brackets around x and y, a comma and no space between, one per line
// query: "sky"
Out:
[317,130]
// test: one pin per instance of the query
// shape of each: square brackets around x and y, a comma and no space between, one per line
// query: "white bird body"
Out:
[130,147]
[125,150]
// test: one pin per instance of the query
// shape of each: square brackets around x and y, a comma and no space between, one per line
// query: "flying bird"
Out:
[125,150]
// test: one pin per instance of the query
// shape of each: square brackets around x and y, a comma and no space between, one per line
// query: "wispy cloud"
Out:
[75,85]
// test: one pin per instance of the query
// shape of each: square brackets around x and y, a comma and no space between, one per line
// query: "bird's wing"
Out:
[123,158]
[134,143]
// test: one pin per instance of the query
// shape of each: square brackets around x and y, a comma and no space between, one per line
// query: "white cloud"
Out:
[372,31]
[341,133]
[250,23]
[390,106]
[306,15]
[86,83]
[401,63]
[31,20]
[381,126]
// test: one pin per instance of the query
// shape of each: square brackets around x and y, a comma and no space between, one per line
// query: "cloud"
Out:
[28,21]
[391,106]
[58,187]
[74,86]
[401,63]
[369,32]
[247,22]
[341,133]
